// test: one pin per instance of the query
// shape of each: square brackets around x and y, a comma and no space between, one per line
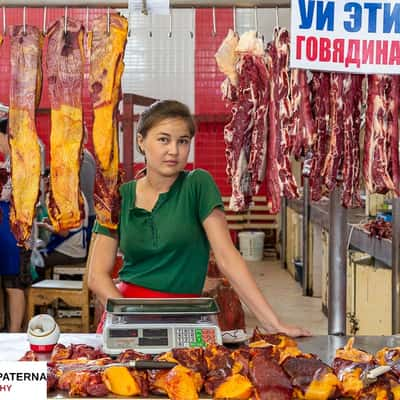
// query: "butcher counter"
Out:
[13,346]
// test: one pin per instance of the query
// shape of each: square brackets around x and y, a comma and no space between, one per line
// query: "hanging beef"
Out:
[381,152]
[320,86]
[352,96]
[106,67]
[280,180]
[65,79]
[25,90]
[334,161]
[303,122]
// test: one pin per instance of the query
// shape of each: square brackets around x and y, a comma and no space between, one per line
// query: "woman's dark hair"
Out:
[4,126]
[161,110]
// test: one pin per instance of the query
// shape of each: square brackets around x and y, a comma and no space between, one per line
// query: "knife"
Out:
[372,375]
[138,364]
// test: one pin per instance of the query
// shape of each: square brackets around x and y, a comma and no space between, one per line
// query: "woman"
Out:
[168,220]
[15,261]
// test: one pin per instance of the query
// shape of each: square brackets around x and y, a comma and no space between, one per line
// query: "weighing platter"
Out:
[158,325]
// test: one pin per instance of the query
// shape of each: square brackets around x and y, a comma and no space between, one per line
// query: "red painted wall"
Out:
[210,147]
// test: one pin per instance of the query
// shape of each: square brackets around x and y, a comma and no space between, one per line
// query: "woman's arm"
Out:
[235,269]
[103,250]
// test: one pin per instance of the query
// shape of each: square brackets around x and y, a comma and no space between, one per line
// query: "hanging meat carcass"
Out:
[106,67]
[304,133]
[381,151]
[65,79]
[280,180]
[320,86]
[245,134]
[25,90]
[352,96]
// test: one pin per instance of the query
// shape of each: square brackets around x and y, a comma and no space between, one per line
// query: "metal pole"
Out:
[306,233]
[395,266]
[173,3]
[337,265]
[283,232]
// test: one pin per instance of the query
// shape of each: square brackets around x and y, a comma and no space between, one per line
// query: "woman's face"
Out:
[166,146]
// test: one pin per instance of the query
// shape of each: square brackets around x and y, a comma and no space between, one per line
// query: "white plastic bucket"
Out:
[251,245]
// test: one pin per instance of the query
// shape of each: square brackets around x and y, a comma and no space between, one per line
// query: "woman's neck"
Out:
[159,184]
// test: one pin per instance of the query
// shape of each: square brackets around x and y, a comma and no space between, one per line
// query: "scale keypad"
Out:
[194,337]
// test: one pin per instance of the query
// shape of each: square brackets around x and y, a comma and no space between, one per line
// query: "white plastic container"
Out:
[251,245]
[43,333]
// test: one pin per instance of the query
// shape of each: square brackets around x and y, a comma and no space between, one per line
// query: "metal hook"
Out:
[151,26]
[4,21]
[129,22]
[65,19]
[24,20]
[256,20]
[108,20]
[234,19]
[44,20]
[277,16]
[170,24]
[192,28]
[214,30]
[87,19]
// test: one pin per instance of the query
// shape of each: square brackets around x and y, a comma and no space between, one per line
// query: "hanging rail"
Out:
[173,3]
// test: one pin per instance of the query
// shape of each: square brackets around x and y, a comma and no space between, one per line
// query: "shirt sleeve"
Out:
[102,230]
[207,193]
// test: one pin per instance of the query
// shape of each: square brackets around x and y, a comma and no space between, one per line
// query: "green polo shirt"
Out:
[167,249]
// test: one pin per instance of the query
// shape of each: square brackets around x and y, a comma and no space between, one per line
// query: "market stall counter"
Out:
[14,346]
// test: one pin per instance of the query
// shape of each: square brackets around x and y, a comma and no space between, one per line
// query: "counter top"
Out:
[359,239]
[14,345]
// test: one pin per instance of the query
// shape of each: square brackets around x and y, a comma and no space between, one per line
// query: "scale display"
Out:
[179,324]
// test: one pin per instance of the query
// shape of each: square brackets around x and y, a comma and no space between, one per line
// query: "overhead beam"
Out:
[124,4]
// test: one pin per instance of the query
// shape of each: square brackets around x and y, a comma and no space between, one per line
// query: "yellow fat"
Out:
[119,381]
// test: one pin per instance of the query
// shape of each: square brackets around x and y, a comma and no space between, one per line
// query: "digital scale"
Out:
[158,325]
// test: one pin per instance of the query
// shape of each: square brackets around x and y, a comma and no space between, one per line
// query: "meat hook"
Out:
[65,19]
[24,20]
[108,20]
[170,24]
[151,25]
[87,19]
[277,16]
[214,27]
[192,28]
[256,20]
[44,20]
[4,21]
[234,19]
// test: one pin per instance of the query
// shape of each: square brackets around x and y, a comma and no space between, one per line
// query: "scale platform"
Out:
[154,326]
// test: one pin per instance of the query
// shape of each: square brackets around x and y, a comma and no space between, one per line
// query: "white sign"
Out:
[360,36]
[23,380]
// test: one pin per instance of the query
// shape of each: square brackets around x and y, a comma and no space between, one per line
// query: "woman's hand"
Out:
[291,330]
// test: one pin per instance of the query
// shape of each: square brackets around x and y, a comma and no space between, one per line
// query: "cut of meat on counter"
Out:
[320,86]
[379,228]
[381,151]
[25,90]
[106,67]
[245,134]
[65,78]
[280,180]
[270,366]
